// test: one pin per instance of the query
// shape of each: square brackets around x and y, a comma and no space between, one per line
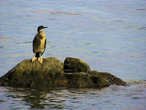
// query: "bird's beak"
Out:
[45,27]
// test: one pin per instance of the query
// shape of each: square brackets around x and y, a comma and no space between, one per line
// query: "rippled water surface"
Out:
[113,98]
[110,35]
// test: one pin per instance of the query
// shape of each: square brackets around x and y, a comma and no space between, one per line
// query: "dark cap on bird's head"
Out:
[40,28]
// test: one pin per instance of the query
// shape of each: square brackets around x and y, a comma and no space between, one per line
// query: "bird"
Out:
[39,44]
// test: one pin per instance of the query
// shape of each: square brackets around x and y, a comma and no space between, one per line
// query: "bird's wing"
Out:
[36,43]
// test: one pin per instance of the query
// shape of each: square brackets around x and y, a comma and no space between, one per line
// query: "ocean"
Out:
[110,35]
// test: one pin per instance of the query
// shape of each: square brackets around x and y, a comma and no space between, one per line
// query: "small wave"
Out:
[138,97]
[57,12]
[1,47]
[3,39]
[141,9]
[142,28]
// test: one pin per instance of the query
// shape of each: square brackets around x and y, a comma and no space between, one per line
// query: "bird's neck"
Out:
[42,34]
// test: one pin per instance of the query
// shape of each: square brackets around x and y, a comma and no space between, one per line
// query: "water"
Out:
[109,35]
[112,98]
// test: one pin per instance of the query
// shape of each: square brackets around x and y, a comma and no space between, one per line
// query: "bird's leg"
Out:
[34,58]
[40,59]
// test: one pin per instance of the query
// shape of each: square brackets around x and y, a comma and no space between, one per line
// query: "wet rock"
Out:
[75,65]
[74,73]
[28,74]
[79,80]
[105,79]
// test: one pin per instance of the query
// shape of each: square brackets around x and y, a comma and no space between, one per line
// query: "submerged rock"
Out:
[74,73]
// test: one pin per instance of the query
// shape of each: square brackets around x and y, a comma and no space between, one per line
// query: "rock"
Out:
[28,74]
[79,80]
[104,79]
[74,73]
[75,65]
[93,79]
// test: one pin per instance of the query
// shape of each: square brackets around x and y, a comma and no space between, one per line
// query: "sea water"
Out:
[110,35]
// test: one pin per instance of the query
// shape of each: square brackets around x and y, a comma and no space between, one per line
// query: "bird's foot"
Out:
[33,59]
[40,59]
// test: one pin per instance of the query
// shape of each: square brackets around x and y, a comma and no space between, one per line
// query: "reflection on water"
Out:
[111,98]
[104,34]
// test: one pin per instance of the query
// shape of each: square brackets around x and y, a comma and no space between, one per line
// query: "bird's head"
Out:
[40,28]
